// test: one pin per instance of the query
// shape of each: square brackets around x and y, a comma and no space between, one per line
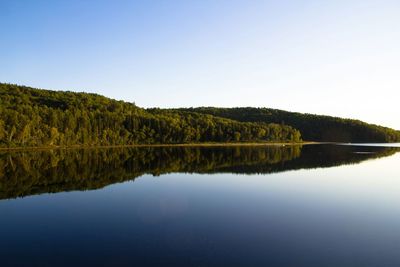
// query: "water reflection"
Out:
[50,171]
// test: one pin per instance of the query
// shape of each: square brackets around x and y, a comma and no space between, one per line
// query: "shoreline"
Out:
[159,145]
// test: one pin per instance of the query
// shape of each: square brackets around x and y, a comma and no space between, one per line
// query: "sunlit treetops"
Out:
[36,117]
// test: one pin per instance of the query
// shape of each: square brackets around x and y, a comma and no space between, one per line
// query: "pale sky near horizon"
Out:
[338,58]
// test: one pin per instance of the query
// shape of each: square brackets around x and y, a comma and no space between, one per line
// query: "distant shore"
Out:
[162,145]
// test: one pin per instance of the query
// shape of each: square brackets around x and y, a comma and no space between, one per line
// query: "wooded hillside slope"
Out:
[312,127]
[32,117]
[36,117]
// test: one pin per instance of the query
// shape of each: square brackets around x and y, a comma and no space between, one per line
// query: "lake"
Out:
[311,205]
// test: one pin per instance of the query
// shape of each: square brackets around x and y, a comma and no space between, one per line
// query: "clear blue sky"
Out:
[339,57]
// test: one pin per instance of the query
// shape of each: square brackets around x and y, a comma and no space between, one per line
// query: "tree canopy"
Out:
[312,127]
[36,117]
[32,117]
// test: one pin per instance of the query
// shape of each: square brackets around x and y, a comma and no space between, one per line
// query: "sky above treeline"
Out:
[338,58]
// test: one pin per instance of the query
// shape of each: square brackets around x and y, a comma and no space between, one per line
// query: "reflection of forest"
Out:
[36,172]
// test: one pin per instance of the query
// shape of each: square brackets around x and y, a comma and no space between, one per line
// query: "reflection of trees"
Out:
[35,172]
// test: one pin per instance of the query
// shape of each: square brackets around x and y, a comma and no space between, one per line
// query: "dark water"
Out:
[316,205]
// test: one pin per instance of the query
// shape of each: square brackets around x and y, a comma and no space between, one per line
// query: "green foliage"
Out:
[35,117]
[312,127]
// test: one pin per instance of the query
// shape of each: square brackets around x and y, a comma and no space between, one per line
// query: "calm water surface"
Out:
[316,205]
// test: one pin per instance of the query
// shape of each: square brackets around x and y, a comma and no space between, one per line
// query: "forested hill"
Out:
[312,127]
[34,117]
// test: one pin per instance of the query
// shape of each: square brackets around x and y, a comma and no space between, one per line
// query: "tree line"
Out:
[35,117]
[312,127]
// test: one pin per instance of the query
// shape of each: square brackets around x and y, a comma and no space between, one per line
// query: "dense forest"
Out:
[312,127]
[32,172]
[35,117]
